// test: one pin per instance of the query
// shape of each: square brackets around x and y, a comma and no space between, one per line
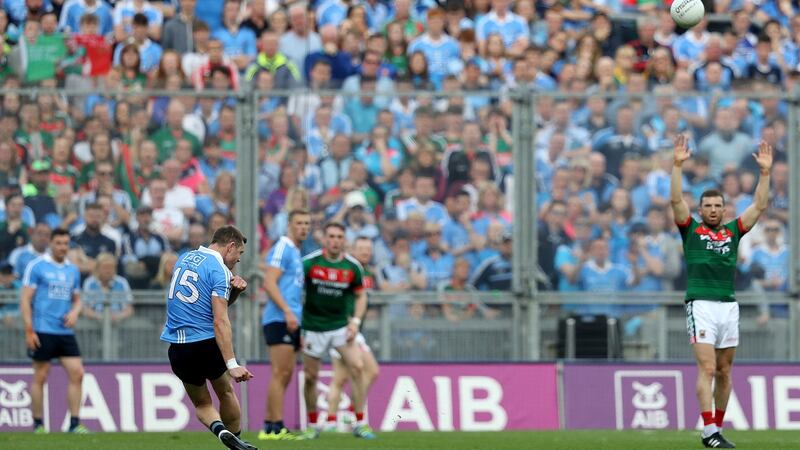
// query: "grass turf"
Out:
[517,440]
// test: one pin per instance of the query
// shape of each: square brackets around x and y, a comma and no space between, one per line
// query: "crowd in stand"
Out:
[428,178]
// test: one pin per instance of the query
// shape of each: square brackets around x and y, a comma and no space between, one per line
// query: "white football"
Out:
[687,13]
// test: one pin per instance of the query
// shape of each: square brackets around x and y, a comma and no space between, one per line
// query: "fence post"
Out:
[524,186]
[107,330]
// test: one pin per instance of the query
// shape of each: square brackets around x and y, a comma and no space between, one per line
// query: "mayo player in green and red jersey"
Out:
[710,248]
[334,307]
[362,251]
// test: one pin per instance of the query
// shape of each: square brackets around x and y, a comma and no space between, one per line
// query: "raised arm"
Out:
[679,207]
[761,199]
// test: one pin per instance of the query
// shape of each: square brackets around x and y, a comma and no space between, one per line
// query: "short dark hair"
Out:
[140,19]
[87,19]
[227,234]
[712,193]
[58,232]
[338,225]
[200,25]
[12,195]
[362,238]
[298,212]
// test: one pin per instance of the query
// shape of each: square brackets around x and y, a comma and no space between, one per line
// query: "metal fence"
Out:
[449,328]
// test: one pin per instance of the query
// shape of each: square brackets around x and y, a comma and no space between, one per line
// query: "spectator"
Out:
[168,220]
[301,105]
[299,41]
[91,241]
[770,260]
[196,236]
[167,137]
[142,250]
[616,141]
[73,12]
[690,45]
[191,173]
[178,31]
[435,264]
[166,267]
[30,134]
[424,190]
[599,275]
[762,68]
[238,43]
[124,15]
[340,62]
[149,52]
[209,55]
[551,236]
[321,128]
[495,272]
[105,289]
[725,147]
[220,199]
[713,55]
[511,27]
[23,255]
[285,72]
[490,210]
[211,163]
[14,231]
[335,166]
[577,138]
[178,197]
[358,219]
[437,47]
[39,192]
[570,256]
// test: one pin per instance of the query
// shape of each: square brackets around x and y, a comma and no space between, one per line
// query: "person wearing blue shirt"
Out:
[772,257]
[239,44]
[50,304]
[106,286]
[438,48]
[73,10]
[22,256]
[127,9]
[598,274]
[513,28]
[198,330]
[690,45]
[330,12]
[149,52]
[424,190]
[435,264]
[283,282]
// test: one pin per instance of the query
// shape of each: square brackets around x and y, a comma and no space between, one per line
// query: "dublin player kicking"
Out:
[50,305]
[283,282]
[199,332]
[335,303]
[710,248]
[362,252]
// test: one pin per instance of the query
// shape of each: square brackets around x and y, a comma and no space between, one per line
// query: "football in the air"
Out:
[687,13]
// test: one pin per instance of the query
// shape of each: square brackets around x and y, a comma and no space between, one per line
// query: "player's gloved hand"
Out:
[240,374]
[238,283]
[71,318]
[32,340]
[291,322]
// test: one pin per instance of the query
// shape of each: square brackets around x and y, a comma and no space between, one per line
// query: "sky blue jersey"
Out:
[54,283]
[286,256]
[198,276]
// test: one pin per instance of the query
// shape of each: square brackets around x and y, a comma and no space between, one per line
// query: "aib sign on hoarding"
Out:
[648,399]
[15,399]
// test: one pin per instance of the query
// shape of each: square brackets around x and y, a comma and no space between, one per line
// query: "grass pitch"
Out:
[516,440]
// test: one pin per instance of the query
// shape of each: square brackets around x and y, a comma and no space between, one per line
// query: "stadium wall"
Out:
[427,397]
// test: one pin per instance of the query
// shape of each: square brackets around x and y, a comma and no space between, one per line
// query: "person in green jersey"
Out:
[334,306]
[362,251]
[711,249]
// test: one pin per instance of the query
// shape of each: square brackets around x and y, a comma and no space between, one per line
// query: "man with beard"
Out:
[711,249]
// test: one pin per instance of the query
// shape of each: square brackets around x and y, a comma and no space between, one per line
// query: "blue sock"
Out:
[74,422]
[267,426]
[238,433]
[37,423]
[216,427]
[278,426]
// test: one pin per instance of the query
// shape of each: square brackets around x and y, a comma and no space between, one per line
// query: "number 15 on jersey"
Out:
[184,286]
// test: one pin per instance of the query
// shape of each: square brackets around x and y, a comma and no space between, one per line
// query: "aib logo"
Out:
[15,399]
[649,399]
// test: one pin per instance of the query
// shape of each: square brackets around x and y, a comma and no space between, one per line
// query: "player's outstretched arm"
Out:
[761,199]
[679,207]
[224,338]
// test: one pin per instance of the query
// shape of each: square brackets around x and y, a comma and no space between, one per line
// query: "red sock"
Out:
[331,417]
[312,418]
[708,417]
[351,408]
[719,416]
[359,416]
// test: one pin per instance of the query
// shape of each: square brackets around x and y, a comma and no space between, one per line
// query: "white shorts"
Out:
[317,343]
[712,322]
[360,341]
